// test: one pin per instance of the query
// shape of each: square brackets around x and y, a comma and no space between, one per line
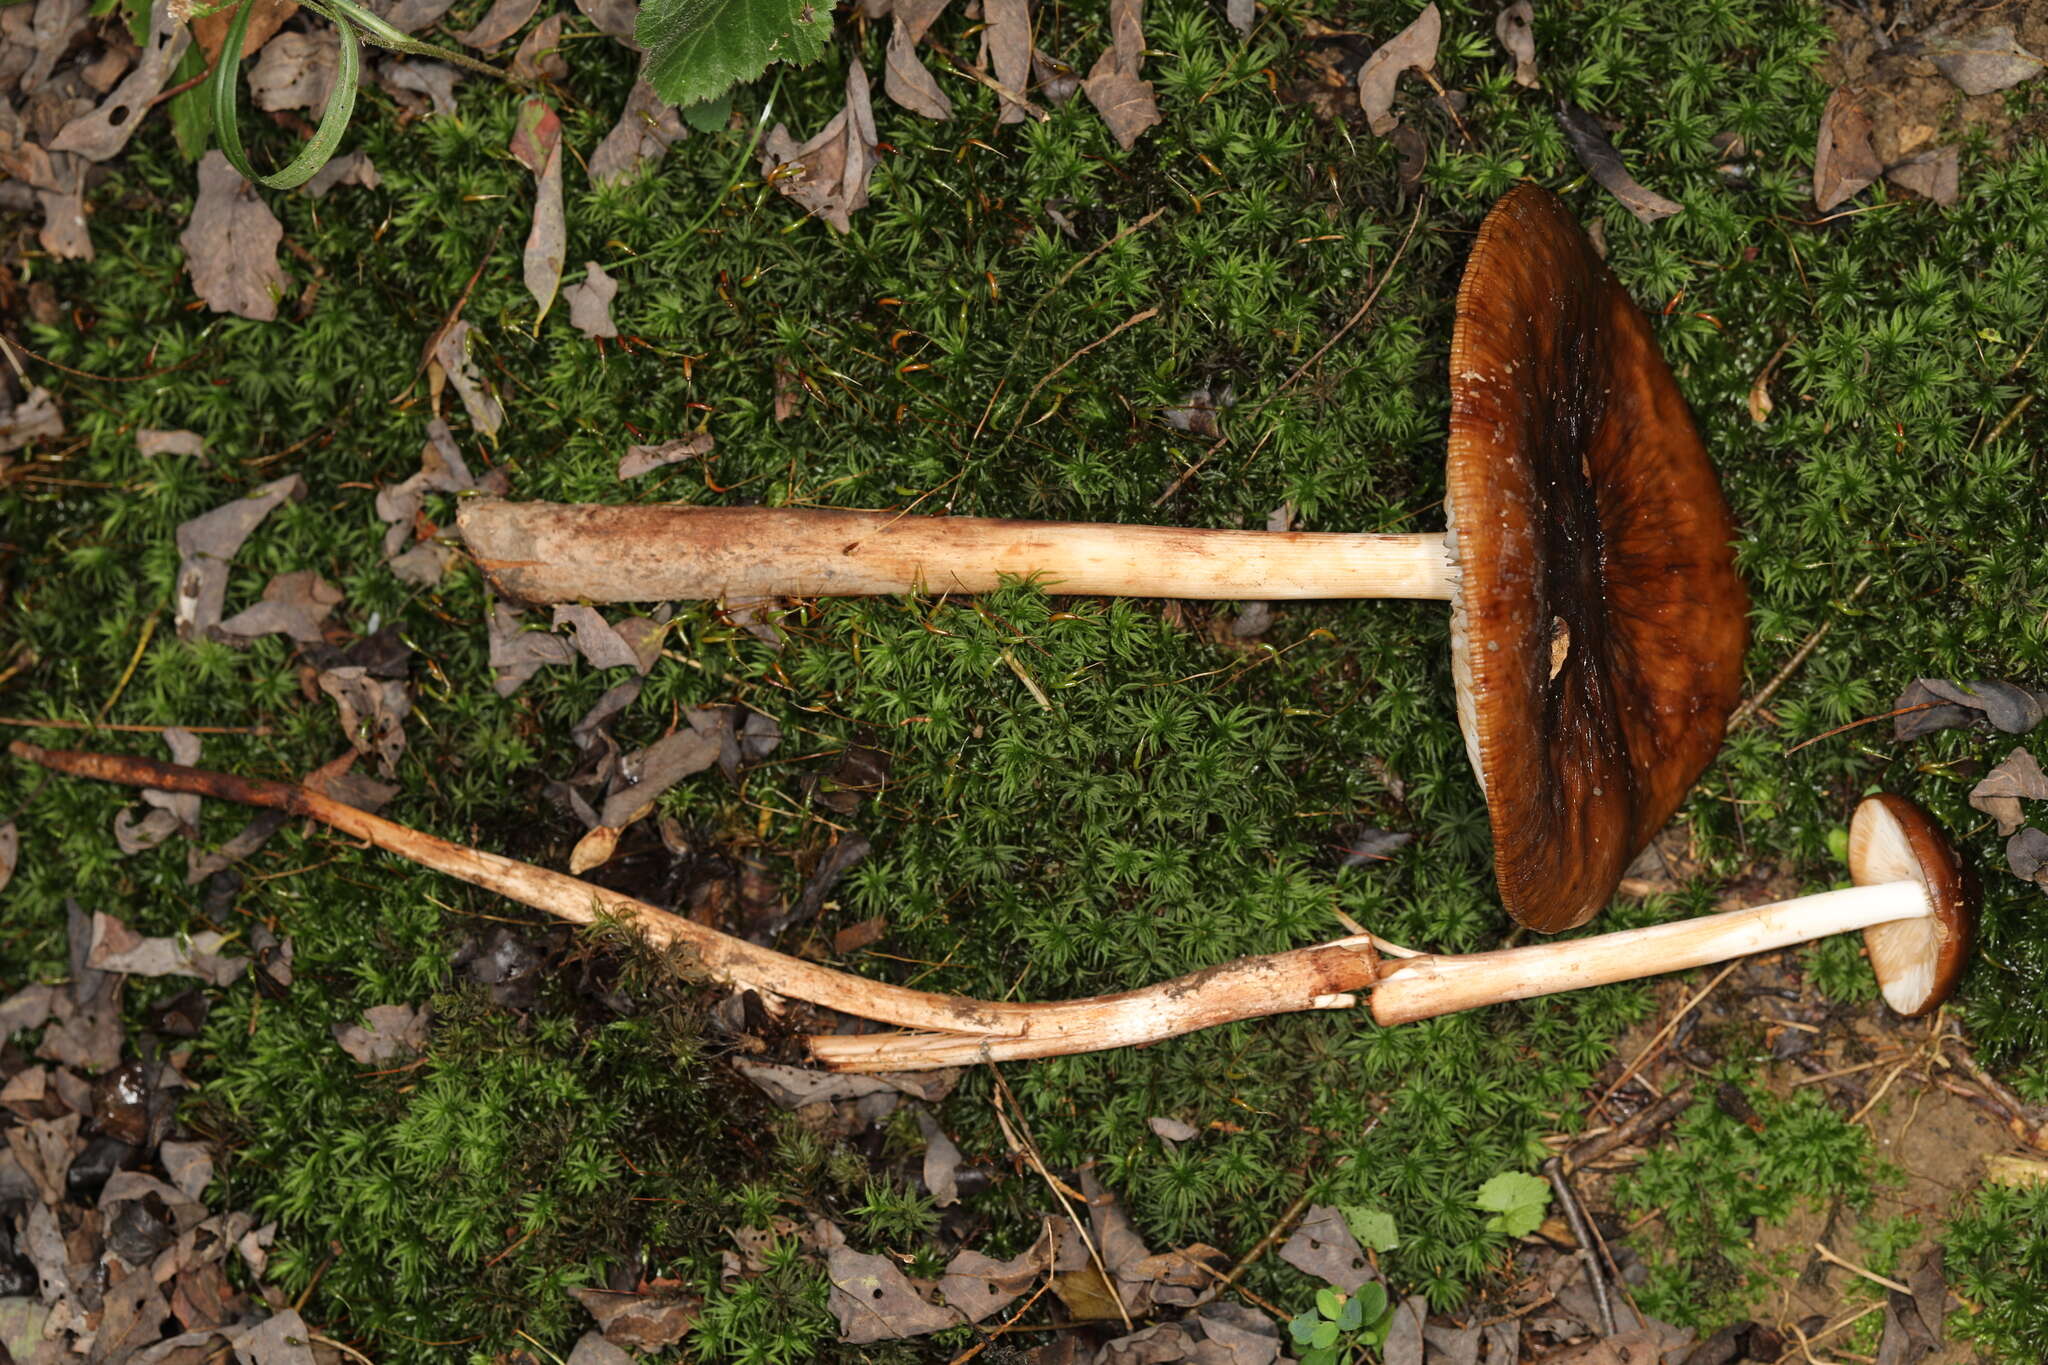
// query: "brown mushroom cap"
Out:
[1917,961]
[1599,625]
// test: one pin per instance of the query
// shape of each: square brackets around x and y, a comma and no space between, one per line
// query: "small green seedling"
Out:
[1341,1326]
[1516,1201]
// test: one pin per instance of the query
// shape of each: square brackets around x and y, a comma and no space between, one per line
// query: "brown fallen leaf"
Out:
[1172,1129]
[55,24]
[590,302]
[537,145]
[905,79]
[294,604]
[117,948]
[516,654]
[210,31]
[539,57]
[209,541]
[642,1322]
[354,168]
[10,853]
[1589,143]
[1984,60]
[442,470]
[1235,1334]
[874,1301]
[1935,175]
[1625,1348]
[592,1349]
[1844,161]
[231,244]
[941,1162]
[335,780]
[2019,778]
[1241,15]
[435,80]
[252,836]
[296,71]
[1323,1246]
[501,21]
[1115,85]
[451,359]
[600,645]
[1006,49]
[640,460]
[35,418]
[388,1033]
[102,133]
[1517,37]
[828,175]
[645,130]
[148,442]
[1413,48]
[616,18]
[410,16]
[373,712]
[2026,855]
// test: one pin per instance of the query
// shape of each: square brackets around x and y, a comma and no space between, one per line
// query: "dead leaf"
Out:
[1172,1130]
[590,302]
[599,644]
[976,1285]
[1006,48]
[653,770]
[373,712]
[64,234]
[505,18]
[55,23]
[874,1301]
[1518,40]
[1929,704]
[640,460]
[517,654]
[1241,15]
[297,71]
[1935,175]
[646,128]
[10,852]
[1413,48]
[1589,143]
[102,133]
[35,418]
[1983,61]
[2026,854]
[210,31]
[294,604]
[1163,1343]
[435,80]
[592,1349]
[540,57]
[537,145]
[829,174]
[1624,1348]
[641,1322]
[149,442]
[905,79]
[231,244]
[208,542]
[117,948]
[352,169]
[941,1162]
[793,1087]
[1114,85]
[2019,778]
[1323,1246]
[1236,1335]
[451,353]
[388,1033]
[617,18]
[410,16]
[1844,161]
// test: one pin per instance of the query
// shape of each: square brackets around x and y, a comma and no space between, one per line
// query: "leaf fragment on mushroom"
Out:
[640,460]
[208,542]
[1590,145]
[231,244]
[1413,48]
[1844,160]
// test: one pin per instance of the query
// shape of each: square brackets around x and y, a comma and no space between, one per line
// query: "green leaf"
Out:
[1352,1315]
[1325,1336]
[697,50]
[1372,1227]
[226,84]
[1371,1300]
[1303,1327]
[1329,1303]
[1324,1356]
[191,113]
[1513,1190]
[708,116]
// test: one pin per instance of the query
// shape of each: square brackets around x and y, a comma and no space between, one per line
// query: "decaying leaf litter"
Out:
[302,607]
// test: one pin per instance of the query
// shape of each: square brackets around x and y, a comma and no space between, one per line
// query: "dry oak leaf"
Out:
[1414,47]
[646,128]
[640,460]
[905,79]
[231,244]
[829,174]
[1844,161]
[590,302]
[1590,145]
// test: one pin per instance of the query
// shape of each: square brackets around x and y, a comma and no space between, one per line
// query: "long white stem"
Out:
[1424,987]
[556,552]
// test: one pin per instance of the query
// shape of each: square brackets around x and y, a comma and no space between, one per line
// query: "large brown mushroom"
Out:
[1598,623]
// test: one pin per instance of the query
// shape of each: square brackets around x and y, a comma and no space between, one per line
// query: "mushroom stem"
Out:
[1424,987]
[556,552]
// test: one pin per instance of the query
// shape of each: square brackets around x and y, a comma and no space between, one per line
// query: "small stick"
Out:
[1028,1145]
[1842,1071]
[1642,1123]
[1864,1271]
[1142,315]
[52,723]
[148,630]
[1554,1170]
[1755,703]
[1662,1034]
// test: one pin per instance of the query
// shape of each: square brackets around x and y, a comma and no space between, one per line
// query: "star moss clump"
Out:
[1161,795]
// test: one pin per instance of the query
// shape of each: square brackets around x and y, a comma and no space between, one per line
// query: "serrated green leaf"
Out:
[697,50]
[1372,1227]
[1520,1222]
[710,116]
[1512,1191]
[1329,1303]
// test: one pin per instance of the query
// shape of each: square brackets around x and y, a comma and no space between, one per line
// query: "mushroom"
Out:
[1588,561]
[1914,901]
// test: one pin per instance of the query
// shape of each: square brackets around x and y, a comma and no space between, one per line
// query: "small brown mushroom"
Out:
[1917,960]
[1598,623]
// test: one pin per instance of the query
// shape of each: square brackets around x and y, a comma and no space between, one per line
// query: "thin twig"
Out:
[148,630]
[1142,315]
[1022,1139]
[1644,1121]
[1553,1170]
[1864,1271]
[53,723]
[1755,703]
[1663,1033]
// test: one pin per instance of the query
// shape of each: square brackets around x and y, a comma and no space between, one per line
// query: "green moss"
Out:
[1179,802]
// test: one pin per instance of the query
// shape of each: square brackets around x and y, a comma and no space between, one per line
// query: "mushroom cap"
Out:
[1917,961]
[1598,626]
